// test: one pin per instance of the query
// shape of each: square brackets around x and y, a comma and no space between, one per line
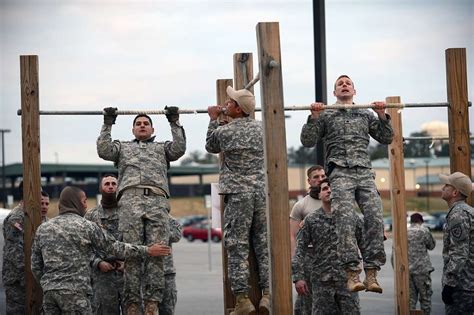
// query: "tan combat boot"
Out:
[151,308]
[353,281]
[243,305]
[264,305]
[370,281]
[133,309]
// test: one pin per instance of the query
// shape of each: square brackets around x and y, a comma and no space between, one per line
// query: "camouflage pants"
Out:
[303,303]
[347,185]
[244,219]
[170,296]
[143,220]
[66,303]
[420,289]
[463,303]
[333,298]
[15,299]
[108,293]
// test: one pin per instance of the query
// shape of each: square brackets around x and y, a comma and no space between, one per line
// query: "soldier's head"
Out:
[108,184]
[344,88]
[72,200]
[44,203]
[142,127]
[325,191]
[457,186]
[240,104]
[416,218]
[315,175]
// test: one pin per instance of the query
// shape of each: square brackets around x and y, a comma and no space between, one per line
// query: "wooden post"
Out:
[458,112]
[268,41]
[31,172]
[229,300]
[243,74]
[399,213]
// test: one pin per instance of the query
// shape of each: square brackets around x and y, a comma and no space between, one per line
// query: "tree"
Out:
[200,158]
[302,155]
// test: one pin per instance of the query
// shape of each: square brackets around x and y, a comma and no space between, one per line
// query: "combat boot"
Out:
[151,308]
[243,305]
[370,281]
[353,281]
[264,305]
[133,309]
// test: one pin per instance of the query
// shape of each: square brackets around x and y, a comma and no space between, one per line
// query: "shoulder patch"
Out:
[456,231]
[18,226]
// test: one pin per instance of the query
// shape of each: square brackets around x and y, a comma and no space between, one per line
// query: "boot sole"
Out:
[263,311]
[358,288]
[374,290]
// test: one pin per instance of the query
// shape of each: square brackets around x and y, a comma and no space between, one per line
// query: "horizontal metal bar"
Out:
[204,111]
[429,138]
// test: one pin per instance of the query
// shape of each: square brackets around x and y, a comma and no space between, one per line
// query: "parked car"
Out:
[430,221]
[387,223]
[199,231]
[191,219]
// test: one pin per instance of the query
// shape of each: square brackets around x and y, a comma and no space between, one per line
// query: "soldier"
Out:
[300,210]
[13,272]
[420,268]
[242,182]
[458,244]
[143,199]
[170,295]
[107,271]
[330,294]
[346,137]
[61,253]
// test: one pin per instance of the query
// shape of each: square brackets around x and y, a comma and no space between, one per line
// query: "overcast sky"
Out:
[148,54]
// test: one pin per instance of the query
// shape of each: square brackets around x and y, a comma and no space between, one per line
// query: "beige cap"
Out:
[459,181]
[244,99]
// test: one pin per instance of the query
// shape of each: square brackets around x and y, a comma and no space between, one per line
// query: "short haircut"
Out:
[44,194]
[313,168]
[318,188]
[343,76]
[109,175]
[142,115]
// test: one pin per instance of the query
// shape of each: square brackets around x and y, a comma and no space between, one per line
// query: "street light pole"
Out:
[4,195]
[427,186]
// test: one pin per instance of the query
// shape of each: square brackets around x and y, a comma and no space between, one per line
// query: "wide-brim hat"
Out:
[244,98]
[459,181]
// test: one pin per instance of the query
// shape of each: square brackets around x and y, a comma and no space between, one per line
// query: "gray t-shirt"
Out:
[304,207]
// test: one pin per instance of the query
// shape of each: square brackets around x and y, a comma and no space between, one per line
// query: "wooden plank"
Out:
[271,83]
[31,172]
[229,300]
[399,213]
[458,112]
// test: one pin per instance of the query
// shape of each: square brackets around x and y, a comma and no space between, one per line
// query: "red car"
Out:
[199,231]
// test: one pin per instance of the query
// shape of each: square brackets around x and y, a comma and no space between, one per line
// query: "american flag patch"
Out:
[18,226]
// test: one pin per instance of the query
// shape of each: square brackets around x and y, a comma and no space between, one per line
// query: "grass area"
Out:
[419,204]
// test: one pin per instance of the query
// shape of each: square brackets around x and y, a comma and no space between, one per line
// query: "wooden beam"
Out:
[399,213]
[229,300]
[31,172]
[269,55]
[243,74]
[458,112]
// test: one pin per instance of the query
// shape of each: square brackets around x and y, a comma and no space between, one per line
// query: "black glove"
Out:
[110,114]
[172,113]
[447,294]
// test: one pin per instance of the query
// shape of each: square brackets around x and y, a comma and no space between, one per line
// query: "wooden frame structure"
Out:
[276,164]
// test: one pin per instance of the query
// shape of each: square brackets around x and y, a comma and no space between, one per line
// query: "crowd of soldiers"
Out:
[117,258]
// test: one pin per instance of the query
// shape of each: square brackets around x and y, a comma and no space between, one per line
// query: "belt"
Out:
[143,191]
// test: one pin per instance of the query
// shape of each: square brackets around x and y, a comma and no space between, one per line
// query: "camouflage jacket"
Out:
[63,248]
[346,135]
[319,229]
[175,236]
[458,247]
[142,162]
[241,142]
[420,241]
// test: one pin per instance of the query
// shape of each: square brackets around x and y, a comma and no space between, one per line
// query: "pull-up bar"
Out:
[204,111]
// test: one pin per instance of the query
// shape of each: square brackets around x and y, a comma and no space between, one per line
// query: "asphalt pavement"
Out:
[199,281]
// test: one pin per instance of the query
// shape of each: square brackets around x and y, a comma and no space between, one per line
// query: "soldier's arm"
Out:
[14,234]
[312,131]
[176,148]
[212,139]
[294,229]
[458,254]
[430,241]
[175,230]
[106,148]
[37,263]
[302,241]
[381,129]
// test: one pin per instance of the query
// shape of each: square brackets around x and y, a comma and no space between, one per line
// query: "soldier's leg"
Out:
[170,296]
[324,302]
[307,300]
[347,302]
[73,303]
[299,305]
[463,303]
[259,236]
[413,292]
[15,299]
[106,295]
[157,230]
[423,284]
[50,306]
[130,210]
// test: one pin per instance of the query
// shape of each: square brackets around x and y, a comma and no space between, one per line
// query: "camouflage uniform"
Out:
[143,204]
[301,209]
[242,181]
[458,256]
[13,272]
[60,261]
[420,241]
[107,286]
[170,294]
[329,290]
[346,138]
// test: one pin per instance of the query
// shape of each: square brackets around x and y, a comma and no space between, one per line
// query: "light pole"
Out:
[4,195]
[413,166]
[427,161]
